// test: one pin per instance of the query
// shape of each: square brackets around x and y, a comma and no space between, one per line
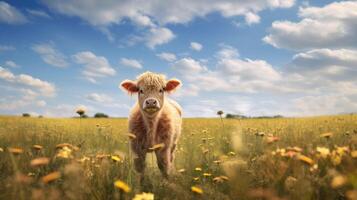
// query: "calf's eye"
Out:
[141,91]
[161,90]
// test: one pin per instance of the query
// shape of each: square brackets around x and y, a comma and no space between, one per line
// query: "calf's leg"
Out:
[163,158]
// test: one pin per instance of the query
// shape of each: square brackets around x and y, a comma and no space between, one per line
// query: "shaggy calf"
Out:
[154,119]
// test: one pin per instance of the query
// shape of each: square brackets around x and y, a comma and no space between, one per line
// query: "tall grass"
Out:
[242,151]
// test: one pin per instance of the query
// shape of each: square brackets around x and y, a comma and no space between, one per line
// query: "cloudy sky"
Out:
[252,57]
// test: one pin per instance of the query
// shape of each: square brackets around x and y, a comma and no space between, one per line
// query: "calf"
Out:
[154,119]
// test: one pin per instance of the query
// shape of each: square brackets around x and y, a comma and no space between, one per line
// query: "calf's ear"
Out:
[172,84]
[129,86]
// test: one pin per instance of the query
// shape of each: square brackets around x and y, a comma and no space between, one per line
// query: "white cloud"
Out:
[131,63]
[188,66]
[6,48]
[99,98]
[163,12]
[47,89]
[170,57]
[154,15]
[41,103]
[196,46]
[337,64]
[10,63]
[330,26]
[10,15]
[158,36]
[50,54]
[38,13]
[94,66]
[252,18]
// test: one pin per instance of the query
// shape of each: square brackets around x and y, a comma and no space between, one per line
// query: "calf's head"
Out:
[150,88]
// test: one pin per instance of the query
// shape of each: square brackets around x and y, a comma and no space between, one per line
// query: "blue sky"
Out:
[289,57]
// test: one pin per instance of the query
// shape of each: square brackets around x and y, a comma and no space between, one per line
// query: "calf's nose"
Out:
[151,102]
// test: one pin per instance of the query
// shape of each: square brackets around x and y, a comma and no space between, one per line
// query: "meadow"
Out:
[284,158]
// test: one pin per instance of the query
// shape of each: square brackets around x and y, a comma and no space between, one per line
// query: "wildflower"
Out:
[196,190]
[131,136]
[205,151]
[354,154]
[15,151]
[326,135]
[290,183]
[342,150]
[101,156]
[39,161]
[272,139]
[338,181]
[1,149]
[220,179]
[65,152]
[198,169]
[336,158]
[181,170]
[84,159]
[196,178]
[37,147]
[207,174]
[231,153]
[351,194]
[144,196]
[116,158]
[261,134]
[51,177]
[217,161]
[157,147]
[306,159]
[323,151]
[122,186]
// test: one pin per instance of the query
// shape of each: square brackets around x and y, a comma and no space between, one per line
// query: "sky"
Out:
[250,57]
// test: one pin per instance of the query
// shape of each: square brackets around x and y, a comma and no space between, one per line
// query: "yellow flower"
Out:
[354,154]
[144,196]
[207,174]
[231,153]
[131,136]
[338,181]
[122,186]
[196,178]
[196,190]
[157,147]
[323,151]
[306,159]
[181,170]
[37,147]
[65,152]
[116,158]
[198,169]
[326,135]
[51,177]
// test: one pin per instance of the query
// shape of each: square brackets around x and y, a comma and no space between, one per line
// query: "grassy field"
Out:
[286,158]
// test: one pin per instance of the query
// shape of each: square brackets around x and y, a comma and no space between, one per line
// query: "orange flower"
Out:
[196,190]
[39,161]
[51,177]
[15,151]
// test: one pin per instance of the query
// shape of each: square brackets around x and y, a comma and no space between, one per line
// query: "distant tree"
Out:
[26,115]
[40,116]
[220,113]
[101,115]
[81,110]
[84,116]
